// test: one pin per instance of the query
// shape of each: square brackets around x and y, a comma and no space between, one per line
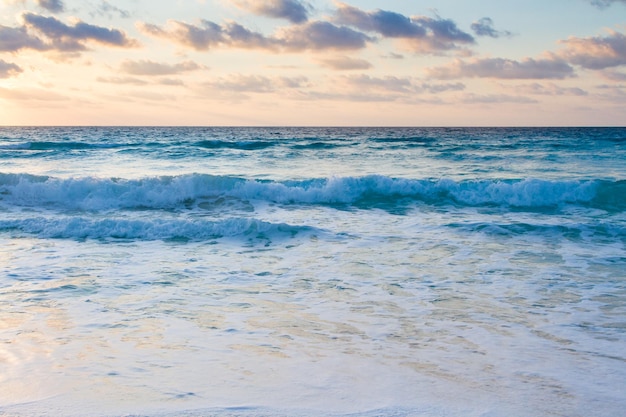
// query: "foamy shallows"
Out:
[312,272]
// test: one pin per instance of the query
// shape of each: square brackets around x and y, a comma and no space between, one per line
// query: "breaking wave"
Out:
[156,229]
[173,192]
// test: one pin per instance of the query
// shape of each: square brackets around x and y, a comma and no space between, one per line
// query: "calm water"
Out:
[312,271]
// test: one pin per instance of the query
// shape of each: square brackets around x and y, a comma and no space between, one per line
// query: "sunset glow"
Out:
[292,62]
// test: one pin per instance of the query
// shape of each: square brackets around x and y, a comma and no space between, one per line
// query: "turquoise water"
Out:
[312,271]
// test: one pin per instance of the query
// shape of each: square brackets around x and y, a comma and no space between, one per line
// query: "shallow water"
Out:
[190,271]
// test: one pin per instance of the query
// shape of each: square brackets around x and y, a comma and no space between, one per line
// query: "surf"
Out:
[181,191]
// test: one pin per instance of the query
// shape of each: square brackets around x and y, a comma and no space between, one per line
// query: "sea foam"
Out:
[156,229]
[171,192]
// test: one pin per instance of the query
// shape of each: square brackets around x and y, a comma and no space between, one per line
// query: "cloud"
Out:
[500,68]
[606,3]
[364,88]
[138,81]
[171,82]
[472,98]
[208,35]
[613,93]
[424,34]
[550,89]
[389,83]
[444,30]
[440,88]
[388,24]
[321,36]
[67,38]
[614,75]
[610,87]
[151,68]
[405,86]
[15,39]
[484,27]
[54,6]
[237,87]
[343,63]
[121,80]
[393,55]
[8,69]
[108,10]
[596,52]
[292,10]
[239,83]
[241,37]
[202,37]
[315,35]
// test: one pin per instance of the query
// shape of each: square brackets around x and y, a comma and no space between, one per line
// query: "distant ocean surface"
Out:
[312,271]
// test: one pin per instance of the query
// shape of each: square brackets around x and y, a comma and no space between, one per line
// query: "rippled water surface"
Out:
[293,271]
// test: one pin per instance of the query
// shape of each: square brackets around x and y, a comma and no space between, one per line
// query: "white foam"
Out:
[172,192]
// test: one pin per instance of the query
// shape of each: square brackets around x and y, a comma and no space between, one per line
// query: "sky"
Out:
[313,63]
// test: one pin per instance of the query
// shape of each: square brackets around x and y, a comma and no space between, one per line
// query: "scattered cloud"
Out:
[171,82]
[472,98]
[423,34]
[206,35]
[500,68]
[312,35]
[606,3]
[138,81]
[321,35]
[440,88]
[393,55]
[8,69]
[238,36]
[292,10]
[443,34]
[239,83]
[15,39]
[371,90]
[332,37]
[389,83]
[405,85]
[106,9]
[343,63]
[614,75]
[613,93]
[65,38]
[386,23]
[121,80]
[550,89]
[151,68]
[484,27]
[345,96]
[54,6]
[596,52]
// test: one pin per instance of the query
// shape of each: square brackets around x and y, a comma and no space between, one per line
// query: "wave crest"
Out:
[158,229]
[184,191]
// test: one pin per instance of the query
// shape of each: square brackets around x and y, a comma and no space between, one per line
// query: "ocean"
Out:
[153,271]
